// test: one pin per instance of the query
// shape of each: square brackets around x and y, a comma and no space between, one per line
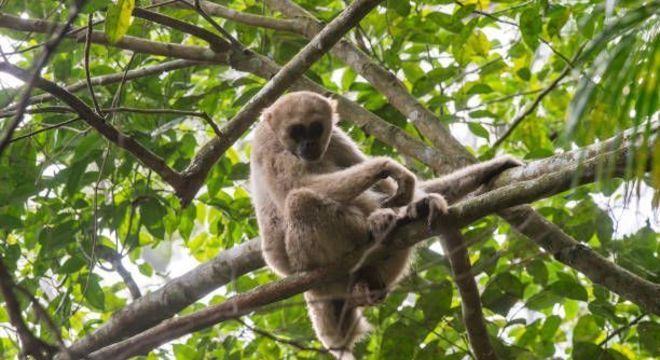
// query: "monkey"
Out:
[318,198]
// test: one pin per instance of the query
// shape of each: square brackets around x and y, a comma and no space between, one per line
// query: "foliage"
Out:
[67,191]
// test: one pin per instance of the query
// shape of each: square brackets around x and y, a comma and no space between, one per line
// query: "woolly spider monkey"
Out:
[318,198]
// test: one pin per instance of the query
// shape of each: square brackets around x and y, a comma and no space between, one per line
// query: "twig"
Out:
[88,77]
[235,43]
[51,127]
[621,329]
[530,109]
[280,339]
[39,63]
[114,258]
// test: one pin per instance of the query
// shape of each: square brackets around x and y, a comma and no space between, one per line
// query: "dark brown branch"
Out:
[46,128]
[32,345]
[196,172]
[88,76]
[216,42]
[127,143]
[114,258]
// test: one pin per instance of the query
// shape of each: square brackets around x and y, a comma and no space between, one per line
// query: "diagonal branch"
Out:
[125,142]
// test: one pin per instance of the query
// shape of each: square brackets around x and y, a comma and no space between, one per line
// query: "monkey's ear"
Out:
[335,114]
[267,116]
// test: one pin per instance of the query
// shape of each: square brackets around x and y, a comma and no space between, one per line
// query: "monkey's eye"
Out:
[296,132]
[315,130]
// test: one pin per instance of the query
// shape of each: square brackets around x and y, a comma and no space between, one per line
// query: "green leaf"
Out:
[437,302]
[118,20]
[570,289]
[93,292]
[649,337]
[479,130]
[586,330]
[9,222]
[152,214]
[401,7]
[530,27]
[72,265]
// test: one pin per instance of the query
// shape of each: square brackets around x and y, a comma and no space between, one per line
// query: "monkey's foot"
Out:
[363,295]
[431,207]
[381,222]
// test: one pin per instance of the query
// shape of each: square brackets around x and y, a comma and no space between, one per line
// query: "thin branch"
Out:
[88,76]
[32,345]
[125,142]
[530,109]
[50,127]
[114,258]
[621,329]
[389,85]
[38,64]
[281,340]
[114,78]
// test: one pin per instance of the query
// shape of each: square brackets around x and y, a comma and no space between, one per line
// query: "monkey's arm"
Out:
[345,153]
[346,184]
[456,185]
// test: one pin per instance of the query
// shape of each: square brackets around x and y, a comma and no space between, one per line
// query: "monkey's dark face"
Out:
[306,140]
[303,123]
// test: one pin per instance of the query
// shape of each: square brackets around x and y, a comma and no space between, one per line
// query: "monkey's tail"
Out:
[338,326]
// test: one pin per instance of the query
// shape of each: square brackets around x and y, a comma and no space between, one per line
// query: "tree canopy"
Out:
[126,224]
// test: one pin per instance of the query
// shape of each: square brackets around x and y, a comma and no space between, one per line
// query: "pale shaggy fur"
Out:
[312,213]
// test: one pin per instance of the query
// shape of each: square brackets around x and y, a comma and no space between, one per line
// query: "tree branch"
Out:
[243,17]
[127,143]
[134,44]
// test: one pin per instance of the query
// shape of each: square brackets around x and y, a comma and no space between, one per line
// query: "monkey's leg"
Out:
[456,185]
[321,231]
[336,324]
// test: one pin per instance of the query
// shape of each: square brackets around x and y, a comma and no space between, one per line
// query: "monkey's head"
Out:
[302,122]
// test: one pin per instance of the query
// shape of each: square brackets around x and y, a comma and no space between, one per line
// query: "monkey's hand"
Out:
[432,206]
[405,181]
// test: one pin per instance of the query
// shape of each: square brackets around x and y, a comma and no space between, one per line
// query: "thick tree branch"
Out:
[224,12]
[134,44]
[127,143]
[231,263]
[406,236]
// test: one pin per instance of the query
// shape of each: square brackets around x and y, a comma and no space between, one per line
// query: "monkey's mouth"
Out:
[309,155]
